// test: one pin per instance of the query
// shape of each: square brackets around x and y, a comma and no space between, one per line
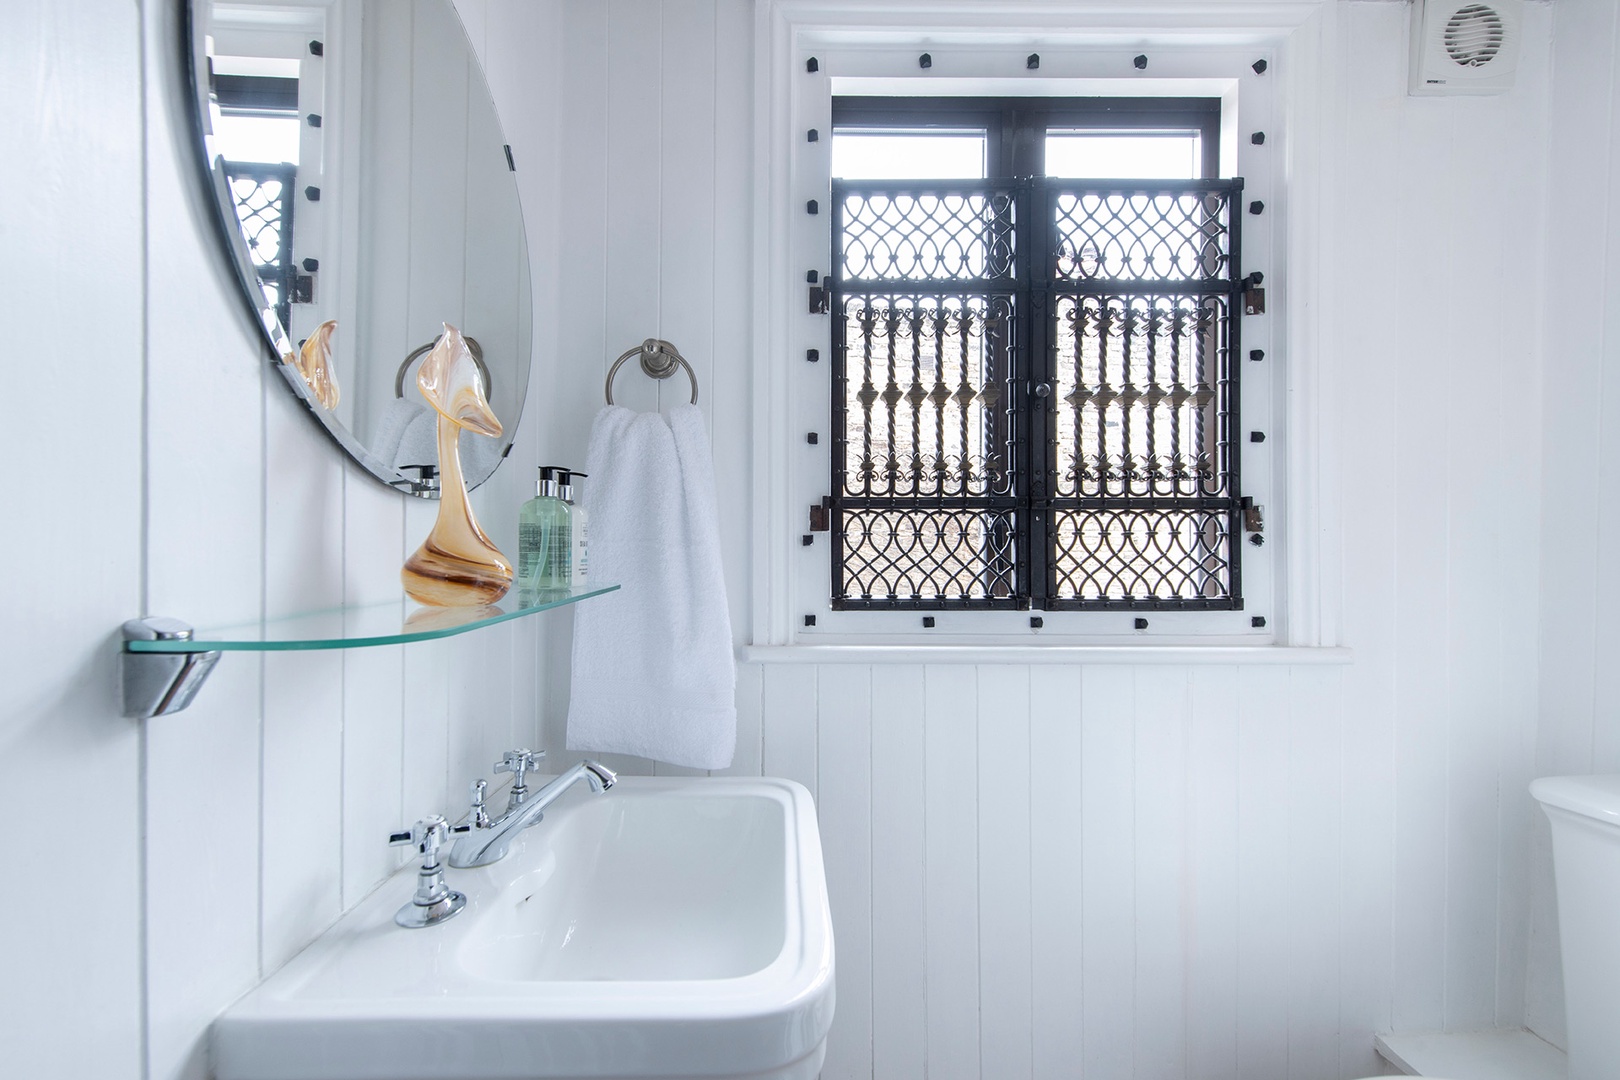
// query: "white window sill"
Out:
[1043,654]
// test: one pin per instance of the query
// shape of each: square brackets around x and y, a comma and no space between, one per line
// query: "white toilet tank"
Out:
[1585,816]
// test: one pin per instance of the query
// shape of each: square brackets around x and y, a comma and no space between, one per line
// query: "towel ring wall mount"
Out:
[659,360]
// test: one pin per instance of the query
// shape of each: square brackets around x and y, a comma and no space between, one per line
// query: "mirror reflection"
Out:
[369,197]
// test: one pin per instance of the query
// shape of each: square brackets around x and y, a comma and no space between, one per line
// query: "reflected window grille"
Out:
[1035,394]
[264,205]
[256,132]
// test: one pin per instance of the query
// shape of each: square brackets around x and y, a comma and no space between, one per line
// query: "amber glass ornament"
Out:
[457,564]
[314,364]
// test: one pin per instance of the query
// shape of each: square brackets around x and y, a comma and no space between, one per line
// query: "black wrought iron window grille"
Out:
[1035,393]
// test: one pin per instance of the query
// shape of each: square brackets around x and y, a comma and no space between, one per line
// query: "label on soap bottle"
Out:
[555,571]
[582,562]
[532,541]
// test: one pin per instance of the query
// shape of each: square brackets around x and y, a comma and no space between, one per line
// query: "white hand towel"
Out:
[653,671]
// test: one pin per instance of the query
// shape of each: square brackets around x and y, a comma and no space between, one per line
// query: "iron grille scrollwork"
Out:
[928,440]
[1035,397]
[264,206]
[941,235]
[1135,235]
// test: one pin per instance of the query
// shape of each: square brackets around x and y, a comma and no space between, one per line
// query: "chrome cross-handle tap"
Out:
[434,901]
[517,762]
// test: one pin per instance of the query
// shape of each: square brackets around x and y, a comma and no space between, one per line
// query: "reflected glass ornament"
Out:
[314,364]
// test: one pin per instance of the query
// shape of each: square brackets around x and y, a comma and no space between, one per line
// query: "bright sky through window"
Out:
[1091,155]
[267,139]
[1096,155]
[908,155]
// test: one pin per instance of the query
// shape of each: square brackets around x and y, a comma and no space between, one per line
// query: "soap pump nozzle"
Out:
[551,481]
[568,484]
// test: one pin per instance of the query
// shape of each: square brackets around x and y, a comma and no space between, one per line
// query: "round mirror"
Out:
[366,197]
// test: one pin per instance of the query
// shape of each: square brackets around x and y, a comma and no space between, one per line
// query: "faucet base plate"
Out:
[414,916]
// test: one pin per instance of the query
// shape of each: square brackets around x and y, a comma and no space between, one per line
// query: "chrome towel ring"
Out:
[659,359]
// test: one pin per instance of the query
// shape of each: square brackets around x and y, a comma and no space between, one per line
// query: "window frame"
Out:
[1086,48]
[1016,130]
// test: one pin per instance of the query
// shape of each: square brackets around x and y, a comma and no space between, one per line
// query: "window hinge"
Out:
[821,515]
[1254,297]
[1253,515]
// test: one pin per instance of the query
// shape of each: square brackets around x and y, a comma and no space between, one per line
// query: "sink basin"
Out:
[672,927]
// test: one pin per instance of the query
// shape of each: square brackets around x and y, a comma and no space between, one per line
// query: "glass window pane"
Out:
[268,139]
[907,155]
[1108,155]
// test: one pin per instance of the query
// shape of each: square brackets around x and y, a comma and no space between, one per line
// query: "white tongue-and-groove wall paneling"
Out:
[1195,870]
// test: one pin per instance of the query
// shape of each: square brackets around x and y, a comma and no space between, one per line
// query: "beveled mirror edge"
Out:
[196,89]
[273,335]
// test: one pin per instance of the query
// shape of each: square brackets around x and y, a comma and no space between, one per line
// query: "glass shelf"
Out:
[392,623]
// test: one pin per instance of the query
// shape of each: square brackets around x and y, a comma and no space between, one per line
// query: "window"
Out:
[256,130]
[1035,312]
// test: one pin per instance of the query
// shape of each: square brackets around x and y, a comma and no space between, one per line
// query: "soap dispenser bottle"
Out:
[581,561]
[544,543]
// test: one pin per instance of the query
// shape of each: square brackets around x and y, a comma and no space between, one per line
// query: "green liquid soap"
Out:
[545,543]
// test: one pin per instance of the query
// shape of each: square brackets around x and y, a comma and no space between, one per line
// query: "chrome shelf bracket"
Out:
[156,684]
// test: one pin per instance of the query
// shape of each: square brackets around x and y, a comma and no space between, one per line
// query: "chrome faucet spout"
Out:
[600,776]
[482,846]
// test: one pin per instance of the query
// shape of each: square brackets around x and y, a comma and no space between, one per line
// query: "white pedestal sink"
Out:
[667,928]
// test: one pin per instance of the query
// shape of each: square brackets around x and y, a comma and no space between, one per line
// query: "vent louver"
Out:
[1474,35]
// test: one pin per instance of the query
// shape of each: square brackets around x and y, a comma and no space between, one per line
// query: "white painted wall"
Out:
[165,867]
[269,801]
[1169,870]
[1580,699]
[1036,870]
[72,541]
